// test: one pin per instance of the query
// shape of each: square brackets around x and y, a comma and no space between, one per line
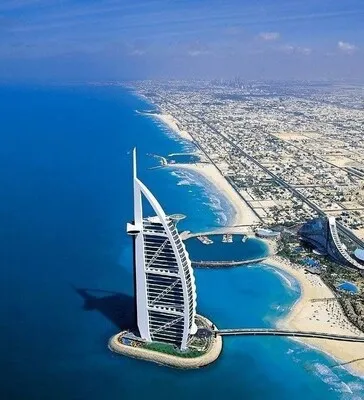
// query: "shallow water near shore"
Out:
[240,249]
[67,287]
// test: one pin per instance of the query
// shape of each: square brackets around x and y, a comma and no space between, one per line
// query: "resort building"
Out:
[322,235]
[164,283]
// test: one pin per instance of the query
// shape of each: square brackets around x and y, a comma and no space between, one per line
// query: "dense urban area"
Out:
[272,140]
[293,151]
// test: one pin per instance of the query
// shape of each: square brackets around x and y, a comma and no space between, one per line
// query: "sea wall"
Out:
[166,359]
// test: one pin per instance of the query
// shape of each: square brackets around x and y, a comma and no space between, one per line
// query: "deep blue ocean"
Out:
[66,266]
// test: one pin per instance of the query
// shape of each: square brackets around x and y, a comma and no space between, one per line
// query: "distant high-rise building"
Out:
[164,283]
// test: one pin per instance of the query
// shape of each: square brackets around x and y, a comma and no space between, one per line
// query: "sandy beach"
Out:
[318,310]
[243,215]
[172,124]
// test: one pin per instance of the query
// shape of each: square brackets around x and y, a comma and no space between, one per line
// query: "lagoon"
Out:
[241,249]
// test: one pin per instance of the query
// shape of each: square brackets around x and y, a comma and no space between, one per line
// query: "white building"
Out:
[164,283]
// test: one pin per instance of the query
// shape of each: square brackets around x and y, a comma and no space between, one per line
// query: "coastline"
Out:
[243,215]
[318,310]
[172,123]
[305,315]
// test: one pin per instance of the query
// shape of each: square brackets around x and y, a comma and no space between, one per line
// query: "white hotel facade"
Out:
[164,283]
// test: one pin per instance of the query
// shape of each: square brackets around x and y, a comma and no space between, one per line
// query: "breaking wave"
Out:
[328,376]
[207,196]
[184,182]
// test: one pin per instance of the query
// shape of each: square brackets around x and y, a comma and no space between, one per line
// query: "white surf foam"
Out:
[221,219]
[184,182]
[327,375]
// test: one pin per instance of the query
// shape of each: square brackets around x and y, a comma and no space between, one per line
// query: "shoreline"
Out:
[171,123]
[243,215]
[305,315]
[318,310]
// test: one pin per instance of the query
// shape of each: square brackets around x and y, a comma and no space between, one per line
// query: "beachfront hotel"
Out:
[322,235]
[164,283]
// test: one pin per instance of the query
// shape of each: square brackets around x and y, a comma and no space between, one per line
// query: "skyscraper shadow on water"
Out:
[119,308]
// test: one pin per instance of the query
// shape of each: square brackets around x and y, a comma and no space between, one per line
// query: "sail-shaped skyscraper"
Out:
[164,283]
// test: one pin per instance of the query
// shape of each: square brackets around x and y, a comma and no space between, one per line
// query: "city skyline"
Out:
[71,40]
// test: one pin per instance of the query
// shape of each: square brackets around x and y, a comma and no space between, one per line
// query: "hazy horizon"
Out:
[59,40]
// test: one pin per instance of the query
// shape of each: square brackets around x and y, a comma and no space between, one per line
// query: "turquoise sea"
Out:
[241,248]
[66,266]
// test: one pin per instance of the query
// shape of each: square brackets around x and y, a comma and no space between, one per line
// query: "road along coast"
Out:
[312,312]
[169,360]
[243,214]
[318,310]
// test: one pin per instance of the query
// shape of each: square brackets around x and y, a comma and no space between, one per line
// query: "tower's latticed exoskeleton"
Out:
[164,281]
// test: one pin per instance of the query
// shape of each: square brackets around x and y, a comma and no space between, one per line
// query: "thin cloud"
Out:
[16,4]
[346,47]
[306,51]
[197,49]
[269,36]
[138,52]
[196,53]
[233,30]
[289,49]
[54,20]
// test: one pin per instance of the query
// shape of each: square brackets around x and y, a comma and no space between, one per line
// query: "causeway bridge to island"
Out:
[288,333]
[231,263]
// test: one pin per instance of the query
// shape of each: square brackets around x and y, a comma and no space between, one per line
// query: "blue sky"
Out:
[119,39]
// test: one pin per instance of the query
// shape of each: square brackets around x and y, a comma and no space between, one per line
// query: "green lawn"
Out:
[169,349]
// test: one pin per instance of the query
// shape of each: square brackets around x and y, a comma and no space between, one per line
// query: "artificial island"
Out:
[169,331]
[289,159]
